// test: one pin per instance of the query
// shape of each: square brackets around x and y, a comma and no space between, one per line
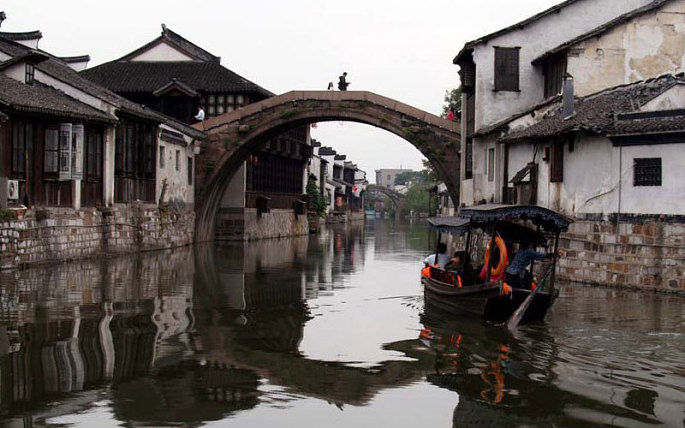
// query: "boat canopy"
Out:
[509,231]
[451,225]
[547,219]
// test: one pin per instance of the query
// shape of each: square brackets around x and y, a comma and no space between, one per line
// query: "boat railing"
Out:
[444,276]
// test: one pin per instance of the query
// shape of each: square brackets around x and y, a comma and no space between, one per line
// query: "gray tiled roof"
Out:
[178,41]
[650,122]
[596,113]
[26,35]
[45,100]
[61,71]
[138,76]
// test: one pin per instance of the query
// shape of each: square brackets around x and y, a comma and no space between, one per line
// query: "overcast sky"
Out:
[401,49]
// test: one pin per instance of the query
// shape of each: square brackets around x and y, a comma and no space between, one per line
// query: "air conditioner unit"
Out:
[13,189]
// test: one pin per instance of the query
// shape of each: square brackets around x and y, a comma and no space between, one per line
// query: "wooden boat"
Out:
[493,301]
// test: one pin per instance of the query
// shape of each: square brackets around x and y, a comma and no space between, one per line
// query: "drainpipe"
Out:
[505,182]
[620,179]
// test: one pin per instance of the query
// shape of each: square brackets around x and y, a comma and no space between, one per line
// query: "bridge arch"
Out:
[234,136]
[396,198]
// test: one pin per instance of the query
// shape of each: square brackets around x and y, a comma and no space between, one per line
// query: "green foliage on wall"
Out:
[317,203]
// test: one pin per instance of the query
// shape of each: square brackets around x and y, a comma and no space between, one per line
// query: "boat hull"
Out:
[485,301]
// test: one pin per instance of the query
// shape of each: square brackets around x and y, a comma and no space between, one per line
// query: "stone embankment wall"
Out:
[58,234]
[247,225]
[647,254]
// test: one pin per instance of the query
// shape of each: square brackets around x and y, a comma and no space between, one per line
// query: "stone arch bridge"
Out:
[234,136]
[396,198]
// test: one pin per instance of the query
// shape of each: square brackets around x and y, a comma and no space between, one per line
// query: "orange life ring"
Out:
[499,269]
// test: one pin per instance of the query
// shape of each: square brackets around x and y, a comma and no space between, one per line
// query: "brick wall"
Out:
[641,254]
[59,234]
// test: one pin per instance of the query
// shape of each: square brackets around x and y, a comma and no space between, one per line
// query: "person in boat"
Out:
[517,274]
[461,264]
[441,260]
[482,276]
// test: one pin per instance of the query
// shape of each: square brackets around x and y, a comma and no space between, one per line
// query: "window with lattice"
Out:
[647,172]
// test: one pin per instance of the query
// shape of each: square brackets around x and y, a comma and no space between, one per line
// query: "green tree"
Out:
[317,203]
[404,177]
[416,199]
[452,102]
[432,176]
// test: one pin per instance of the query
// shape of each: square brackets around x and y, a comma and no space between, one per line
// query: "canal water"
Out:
[329,330]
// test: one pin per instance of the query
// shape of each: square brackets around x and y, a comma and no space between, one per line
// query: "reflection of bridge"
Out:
[396,198]
[233,136]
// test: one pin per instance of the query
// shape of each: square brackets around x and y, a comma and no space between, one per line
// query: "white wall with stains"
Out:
[534,40]
[597,175]
[178,186]
[645,47]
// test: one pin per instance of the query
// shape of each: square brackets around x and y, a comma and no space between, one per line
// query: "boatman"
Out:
[518,275]
[442,257]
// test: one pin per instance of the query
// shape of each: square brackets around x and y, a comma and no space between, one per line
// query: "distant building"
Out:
[386,177]
[343,184]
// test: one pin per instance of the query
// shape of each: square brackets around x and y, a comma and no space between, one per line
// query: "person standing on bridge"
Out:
[343,83]
[200,116]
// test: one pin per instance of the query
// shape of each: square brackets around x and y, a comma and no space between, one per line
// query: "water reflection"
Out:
[315,326]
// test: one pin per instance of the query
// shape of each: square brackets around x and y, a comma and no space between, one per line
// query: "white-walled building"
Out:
[623,152]
[617,43]
[386,177]
[84,145]
[500,80]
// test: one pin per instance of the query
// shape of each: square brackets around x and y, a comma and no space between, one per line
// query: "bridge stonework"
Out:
[396,198]
[234,136]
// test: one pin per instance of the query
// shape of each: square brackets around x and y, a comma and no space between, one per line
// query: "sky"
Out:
[400,49]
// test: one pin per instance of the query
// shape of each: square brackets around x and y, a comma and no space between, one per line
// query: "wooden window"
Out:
[556,161]
[190,171]
[51,151]
[178,160]
[507,69]
[91,185]
[491,165]
[30,74]
[135,161]
[224,103]
[22,148]
[161,157]
[76,155]
[554,71]
[647,172]
[65,141]
[94,154]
